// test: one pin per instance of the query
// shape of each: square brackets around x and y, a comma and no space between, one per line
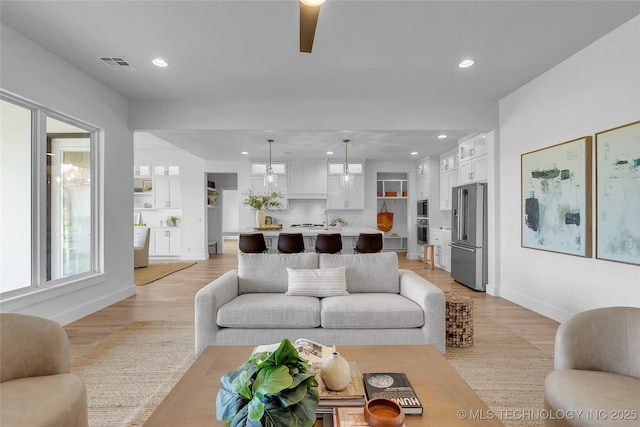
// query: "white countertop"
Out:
[307,232]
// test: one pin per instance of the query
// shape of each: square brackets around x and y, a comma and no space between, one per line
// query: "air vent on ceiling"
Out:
[117,63]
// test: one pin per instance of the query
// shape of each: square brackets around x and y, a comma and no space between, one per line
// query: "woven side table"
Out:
[459,320]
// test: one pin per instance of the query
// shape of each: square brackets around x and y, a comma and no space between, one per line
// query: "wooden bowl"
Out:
[382,412]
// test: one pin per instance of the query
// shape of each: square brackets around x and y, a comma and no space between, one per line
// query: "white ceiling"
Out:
[248,50]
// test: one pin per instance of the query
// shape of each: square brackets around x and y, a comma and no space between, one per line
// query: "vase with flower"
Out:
[262,203]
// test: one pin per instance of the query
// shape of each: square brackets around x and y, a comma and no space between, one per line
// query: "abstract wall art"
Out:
[618,194]
[556,198]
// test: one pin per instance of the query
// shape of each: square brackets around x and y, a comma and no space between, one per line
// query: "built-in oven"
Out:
[423,208]
[423,230]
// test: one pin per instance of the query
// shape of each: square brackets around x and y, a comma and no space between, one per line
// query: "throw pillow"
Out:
[323,282]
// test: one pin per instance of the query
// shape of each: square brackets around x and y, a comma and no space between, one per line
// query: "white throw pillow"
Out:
[323,282]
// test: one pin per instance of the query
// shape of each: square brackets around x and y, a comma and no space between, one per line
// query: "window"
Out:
[48,198]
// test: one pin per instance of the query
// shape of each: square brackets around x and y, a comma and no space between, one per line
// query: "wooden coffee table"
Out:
[447,399]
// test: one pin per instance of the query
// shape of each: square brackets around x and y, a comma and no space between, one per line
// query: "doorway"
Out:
[222,208]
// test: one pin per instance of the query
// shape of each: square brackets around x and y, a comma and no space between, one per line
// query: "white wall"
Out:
[594,90]
[31,72]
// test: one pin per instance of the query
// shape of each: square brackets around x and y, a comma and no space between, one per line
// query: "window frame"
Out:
[38,250]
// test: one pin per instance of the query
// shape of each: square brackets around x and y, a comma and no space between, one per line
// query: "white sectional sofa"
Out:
[383,304]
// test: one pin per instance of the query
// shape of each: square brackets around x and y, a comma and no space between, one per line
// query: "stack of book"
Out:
[352,395]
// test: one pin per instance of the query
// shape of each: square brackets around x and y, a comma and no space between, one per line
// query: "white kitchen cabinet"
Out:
[307,180]
[345,197]
[448,180]
[423,187]
[423,167]
[436,236]
[166,169]
[167,191]
[472,147]
[474,169]
[166,242]
[446,250]
[142,170]
[258,187]
[449,160]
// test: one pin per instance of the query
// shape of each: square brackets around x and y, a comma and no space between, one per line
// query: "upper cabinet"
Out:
[157,186]
[448,177]
[345,197]
[307,180]
[142,170]
[424,179]
[473,159]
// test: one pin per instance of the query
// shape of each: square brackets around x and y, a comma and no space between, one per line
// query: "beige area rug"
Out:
[506,371]
[153,272]
[129,373]
[132,370]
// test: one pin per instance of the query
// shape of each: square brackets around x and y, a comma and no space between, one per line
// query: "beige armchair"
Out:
[596,381]
[141,247]
[36,388]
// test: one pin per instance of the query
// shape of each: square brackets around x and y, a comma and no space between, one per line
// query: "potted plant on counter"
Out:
[262,202]
[270,389]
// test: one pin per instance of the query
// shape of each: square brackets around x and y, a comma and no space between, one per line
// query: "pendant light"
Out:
[270,178]
[346,179]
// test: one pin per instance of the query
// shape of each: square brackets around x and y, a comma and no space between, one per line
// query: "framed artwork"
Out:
[556,198]
[618,194]
[147,185]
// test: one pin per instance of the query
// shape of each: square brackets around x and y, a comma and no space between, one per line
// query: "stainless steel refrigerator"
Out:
[469,235]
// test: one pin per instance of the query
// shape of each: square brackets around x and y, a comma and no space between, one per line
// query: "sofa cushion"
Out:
[267,272]
[319,283]
[367,272]
[373,310]
[270,310]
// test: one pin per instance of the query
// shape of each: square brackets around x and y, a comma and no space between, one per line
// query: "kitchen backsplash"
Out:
[312,212]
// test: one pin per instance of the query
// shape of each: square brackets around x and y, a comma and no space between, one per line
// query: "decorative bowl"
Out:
[382,412]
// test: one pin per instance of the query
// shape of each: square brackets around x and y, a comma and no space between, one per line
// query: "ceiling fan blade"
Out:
[308,22]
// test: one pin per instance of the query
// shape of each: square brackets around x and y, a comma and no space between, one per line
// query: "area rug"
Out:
[129,373]
[155,271]
[506,371]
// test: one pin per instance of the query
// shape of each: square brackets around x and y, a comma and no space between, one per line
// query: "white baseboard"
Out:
[90,307]
[538,306]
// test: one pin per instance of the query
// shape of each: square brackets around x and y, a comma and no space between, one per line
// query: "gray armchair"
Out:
[36,386]
[596,381]
[141,236]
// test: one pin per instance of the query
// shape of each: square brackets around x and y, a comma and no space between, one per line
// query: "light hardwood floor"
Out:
[172,298]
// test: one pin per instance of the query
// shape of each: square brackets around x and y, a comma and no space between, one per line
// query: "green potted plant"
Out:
[173,219]
[262,202]
[269,390]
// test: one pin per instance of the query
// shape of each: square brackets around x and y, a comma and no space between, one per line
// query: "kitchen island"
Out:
[349,235]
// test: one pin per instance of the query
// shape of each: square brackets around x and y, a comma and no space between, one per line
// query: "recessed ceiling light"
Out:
[159,62]
[414,153]
[244,153]
[329,152]
[466,63]
[442,136]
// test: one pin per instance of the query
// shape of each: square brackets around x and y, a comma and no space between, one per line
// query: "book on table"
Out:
[395,386]
[347,417]
[352,395]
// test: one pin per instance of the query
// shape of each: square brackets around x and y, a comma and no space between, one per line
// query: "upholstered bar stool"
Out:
[252,243]
[290,243]
[330,243]
[368,243]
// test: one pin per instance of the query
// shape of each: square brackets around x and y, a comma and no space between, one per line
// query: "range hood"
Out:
[307,196]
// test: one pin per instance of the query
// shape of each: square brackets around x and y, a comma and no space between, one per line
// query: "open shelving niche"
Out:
[392,189]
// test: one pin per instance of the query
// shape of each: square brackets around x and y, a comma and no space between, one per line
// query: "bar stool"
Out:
[368,243]
[290,243]
[330,243]
[252,243]
[428,260]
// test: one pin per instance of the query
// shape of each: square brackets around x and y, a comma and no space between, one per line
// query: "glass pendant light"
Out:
[346,179]
[270,178]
